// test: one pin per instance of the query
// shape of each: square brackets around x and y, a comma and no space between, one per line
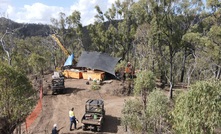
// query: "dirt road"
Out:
[55,107]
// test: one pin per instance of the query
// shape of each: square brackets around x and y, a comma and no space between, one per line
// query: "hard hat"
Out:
[55,125]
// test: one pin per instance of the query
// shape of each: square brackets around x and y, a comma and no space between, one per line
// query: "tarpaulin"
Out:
[69,60]
[99,61]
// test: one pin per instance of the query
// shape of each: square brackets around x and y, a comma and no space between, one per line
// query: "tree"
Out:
[75,32]
[144,84]
[7,48]
[16,99]
[69,30]
[97,32]
[37,62]
[199,109]
[214,45]
[132,115]
[126,29]
[157,112]
[155,117]
[59,27]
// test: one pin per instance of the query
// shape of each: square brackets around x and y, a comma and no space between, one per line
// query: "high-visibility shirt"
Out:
[71,113]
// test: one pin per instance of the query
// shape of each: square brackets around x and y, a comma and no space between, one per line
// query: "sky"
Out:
[41,11]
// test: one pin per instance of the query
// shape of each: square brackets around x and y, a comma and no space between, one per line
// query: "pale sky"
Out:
[40,11]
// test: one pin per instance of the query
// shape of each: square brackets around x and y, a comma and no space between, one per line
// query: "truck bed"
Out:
[89,118]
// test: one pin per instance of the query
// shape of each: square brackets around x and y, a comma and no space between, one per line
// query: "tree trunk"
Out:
[144,98]
[218,72]
[153,63]
[171,76]
[183,66]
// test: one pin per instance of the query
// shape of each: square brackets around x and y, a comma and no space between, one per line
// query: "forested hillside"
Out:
[23,30]
[178,41]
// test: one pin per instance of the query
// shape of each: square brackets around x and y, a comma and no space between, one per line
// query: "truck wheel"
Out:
[98,128]
[84,127]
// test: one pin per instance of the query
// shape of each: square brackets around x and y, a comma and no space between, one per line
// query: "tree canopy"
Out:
[17,97]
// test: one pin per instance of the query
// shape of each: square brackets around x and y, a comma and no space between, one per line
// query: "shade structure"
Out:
[98,61]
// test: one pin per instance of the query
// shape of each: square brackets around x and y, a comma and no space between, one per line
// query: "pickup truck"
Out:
[93,118]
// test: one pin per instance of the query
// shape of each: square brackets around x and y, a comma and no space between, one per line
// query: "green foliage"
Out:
[157,112]
[155,116]
[37,62]
[95,85]
[145,81]
[121,66]
[132,115]
[17,96]
[199,109]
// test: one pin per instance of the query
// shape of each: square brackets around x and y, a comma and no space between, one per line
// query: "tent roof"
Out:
[99,61]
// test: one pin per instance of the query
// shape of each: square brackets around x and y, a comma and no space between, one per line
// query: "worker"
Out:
[72,119]
[129,70]
[129,67]
[54,130]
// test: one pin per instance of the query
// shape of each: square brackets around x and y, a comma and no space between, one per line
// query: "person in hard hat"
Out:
[72,119]
[54,130]
[129,67]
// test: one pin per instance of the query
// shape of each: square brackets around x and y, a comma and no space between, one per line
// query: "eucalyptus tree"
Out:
[112,31]
[132,118]
[25,48]
[20,56]
[114,36]
[97,32]
[170,21]
[143,51]
[155,117]
[60,25]
[191,12]
[37,62]
[171,40]
[110,14]
[69,32]
[144,84]
[17,98]
[59,28]
[198,110]
[158,113]
[114,17]
[140,50]
[126,29]
[196,62]
[75,33]
[8,45]
[213,46]
[203,37]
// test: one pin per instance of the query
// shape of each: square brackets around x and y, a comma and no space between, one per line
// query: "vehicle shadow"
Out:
[111,124]
[72,90]
[66,91]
